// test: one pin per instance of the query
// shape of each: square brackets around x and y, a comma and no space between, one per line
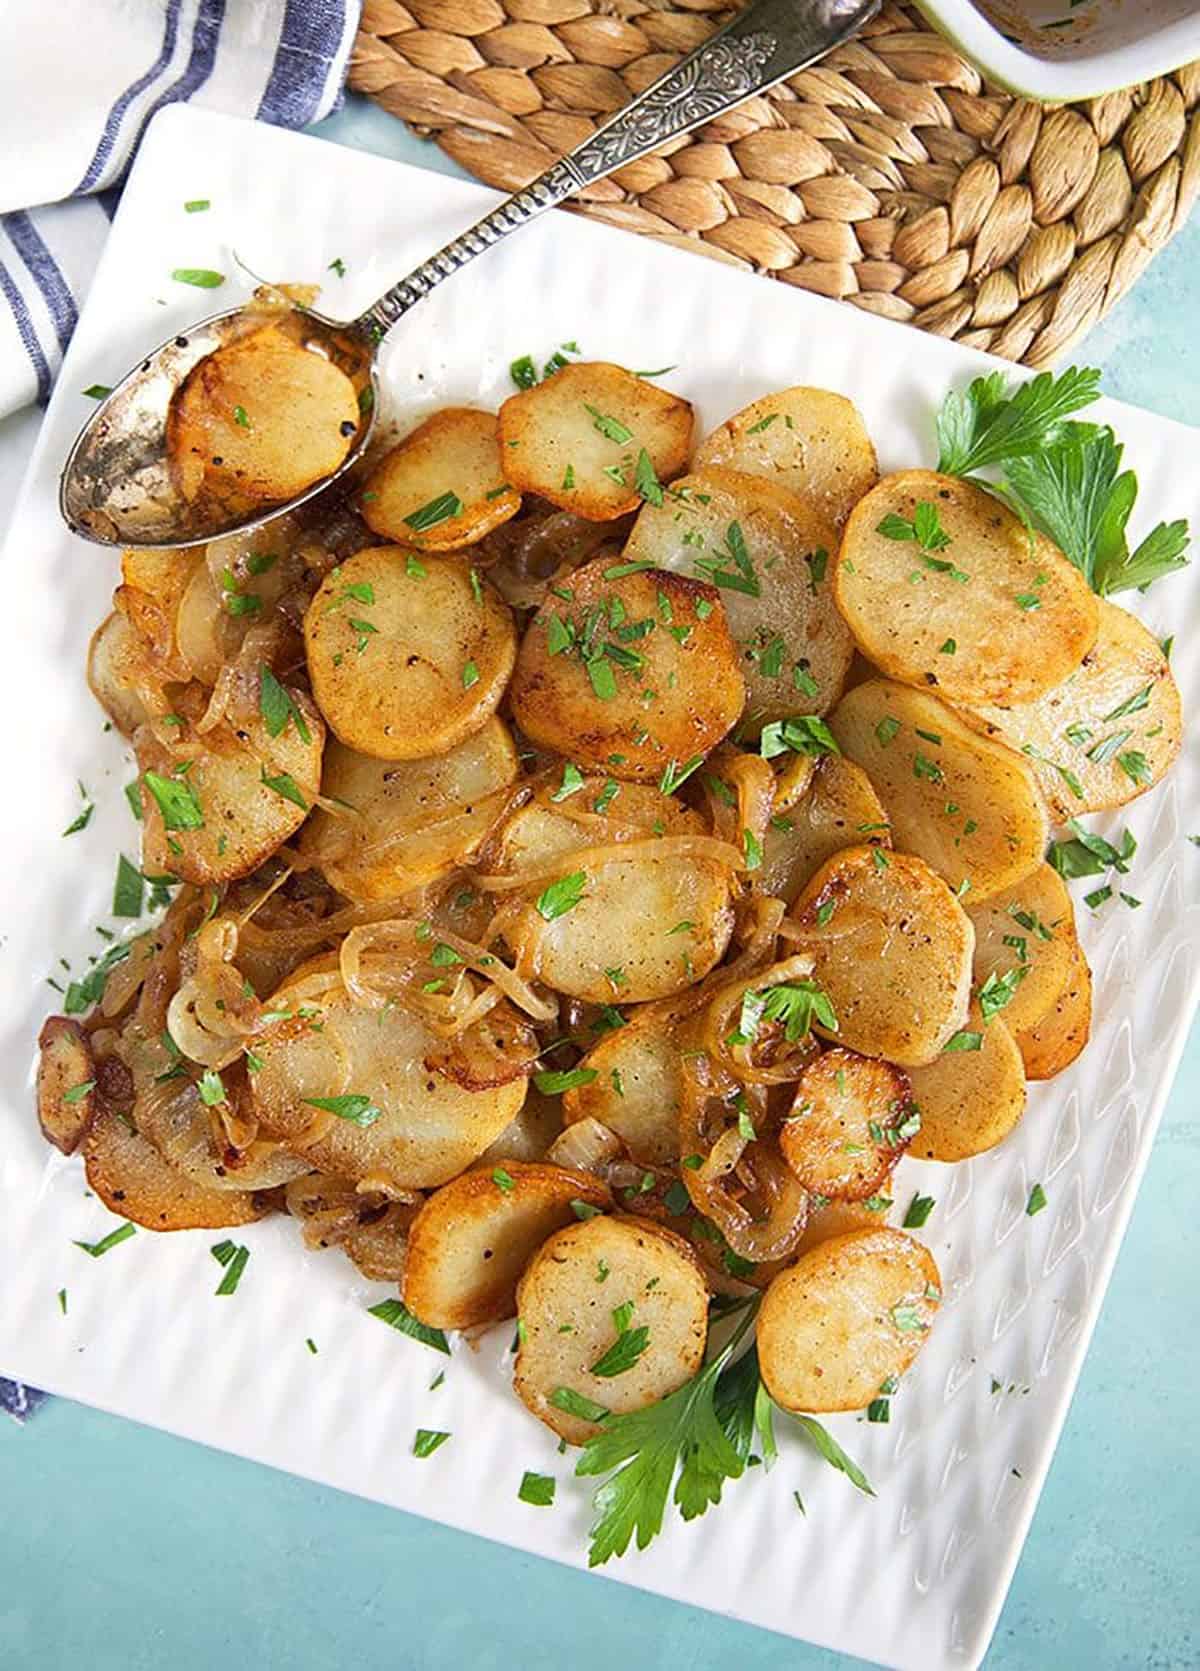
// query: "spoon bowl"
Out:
[117,486]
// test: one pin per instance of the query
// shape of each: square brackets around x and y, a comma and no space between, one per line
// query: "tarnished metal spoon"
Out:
[117,488]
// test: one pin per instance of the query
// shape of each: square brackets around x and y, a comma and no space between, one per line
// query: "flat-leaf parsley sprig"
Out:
[695,1439]
[1061,476]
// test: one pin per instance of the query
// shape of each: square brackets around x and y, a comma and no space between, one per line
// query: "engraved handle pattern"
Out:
[769,40]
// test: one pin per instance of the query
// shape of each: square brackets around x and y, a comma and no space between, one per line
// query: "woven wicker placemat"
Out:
[890,175]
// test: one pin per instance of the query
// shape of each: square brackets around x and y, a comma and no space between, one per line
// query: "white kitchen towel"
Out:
[79,81]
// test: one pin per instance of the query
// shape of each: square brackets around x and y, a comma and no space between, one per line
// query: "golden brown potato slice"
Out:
[427,1128]
[587,1289]
[215,806]
[260,420]
[891,947]
[66,1078]
[621,929]
[1026,933]
[986,614]
[632,672]
[849,1123]
[845,1318]
[115,666]
[133,1180]
[153,584]
[971,809]
[1058,1038]
[840,809]
[407,656]
[443,486]
[1108,732]
[767,551]
[973,1095]
[577,437]
[401,824]
[472,1239]
[838,1218]
[636,1092]
[810,441]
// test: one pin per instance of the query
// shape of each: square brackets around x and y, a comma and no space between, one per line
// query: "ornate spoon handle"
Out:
[769,40]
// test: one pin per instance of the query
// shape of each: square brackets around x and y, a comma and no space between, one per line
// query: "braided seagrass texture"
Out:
[890,175]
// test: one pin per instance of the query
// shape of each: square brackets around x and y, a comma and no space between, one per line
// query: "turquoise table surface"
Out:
[122,1549]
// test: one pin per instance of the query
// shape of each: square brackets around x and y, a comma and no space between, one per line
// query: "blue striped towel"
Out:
[79,81]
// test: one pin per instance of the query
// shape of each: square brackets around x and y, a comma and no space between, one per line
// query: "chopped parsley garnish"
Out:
[561,896]
[537,1489]
[523,372]
[925,528]
[622,1354]
[998,991]
[645,479]
[286,786]
[276,706]
[503,1180]
[397,1316]
[128,889]
[554,1084]
[176,800]
[886,730]
[612,428]
[202,277]
[470,675]
[114,1238]
[1087,854]
[675,775]
[1037,1200]
[197,206]
[354,1108]
[234,1258]
[428,1440]
[97,391]
[919,1209]
[441,509]
[964,1041]
[741,577]
[803,734]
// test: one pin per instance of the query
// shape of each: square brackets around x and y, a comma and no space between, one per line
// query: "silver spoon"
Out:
[116,486]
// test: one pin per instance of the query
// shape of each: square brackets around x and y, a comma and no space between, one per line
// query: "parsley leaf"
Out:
[988,425]
[561,896]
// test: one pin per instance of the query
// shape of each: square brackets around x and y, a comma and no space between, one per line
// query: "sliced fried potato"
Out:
[153,584]
[407,657]
[66,1077]
[626,929]
[838,1218]
[840,809]
[260,420]
[971,1098]
[402,824]
[1054,1042]
[428,1127]
[443,486]
[576,438]
[215,806]
[1028,929]
[767,552]
[472,1239]
[1108,732]
[846,1317]
[571,1304]
[992,615]
[133,1180]
[114,672]
[636,671]
[811,441]
[637,1090]
[849,1123]
[971,809]
[892,948]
